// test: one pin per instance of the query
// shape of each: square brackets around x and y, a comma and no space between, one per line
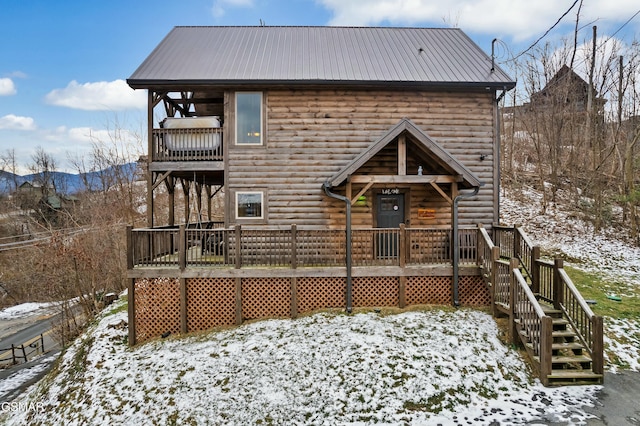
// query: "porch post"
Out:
[558,296]
[131,311]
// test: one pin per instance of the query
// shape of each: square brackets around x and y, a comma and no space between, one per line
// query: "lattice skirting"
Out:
[375,291]
[157,303]
[473,291]
[211,302]
[266,297]
[318,293]
[428,291]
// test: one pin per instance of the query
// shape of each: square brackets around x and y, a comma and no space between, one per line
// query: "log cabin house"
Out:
[357,167]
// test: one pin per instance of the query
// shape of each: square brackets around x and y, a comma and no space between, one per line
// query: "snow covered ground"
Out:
[420,367]
[428,366]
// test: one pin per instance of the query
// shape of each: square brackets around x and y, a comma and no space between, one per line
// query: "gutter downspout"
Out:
[347,202]
[456,242]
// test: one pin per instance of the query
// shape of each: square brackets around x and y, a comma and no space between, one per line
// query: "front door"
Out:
[390,214]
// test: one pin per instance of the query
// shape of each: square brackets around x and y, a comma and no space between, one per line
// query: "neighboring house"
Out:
[567,89]
[359,167]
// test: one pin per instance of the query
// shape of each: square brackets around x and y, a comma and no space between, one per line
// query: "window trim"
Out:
[261,143]
[263,205]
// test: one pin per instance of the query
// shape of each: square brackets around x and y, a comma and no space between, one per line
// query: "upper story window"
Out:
[249,118]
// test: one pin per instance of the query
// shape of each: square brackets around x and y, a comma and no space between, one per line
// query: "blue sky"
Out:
[63,64]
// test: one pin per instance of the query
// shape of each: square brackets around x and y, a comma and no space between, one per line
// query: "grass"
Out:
[594,287]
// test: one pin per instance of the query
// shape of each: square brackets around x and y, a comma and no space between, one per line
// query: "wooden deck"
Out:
[213,247]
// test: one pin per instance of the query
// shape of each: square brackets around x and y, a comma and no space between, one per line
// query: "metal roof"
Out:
[231,55]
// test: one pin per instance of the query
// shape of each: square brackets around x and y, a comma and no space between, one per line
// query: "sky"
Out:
[64,64]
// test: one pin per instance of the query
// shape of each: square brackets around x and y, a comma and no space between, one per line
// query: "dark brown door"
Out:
[390,214]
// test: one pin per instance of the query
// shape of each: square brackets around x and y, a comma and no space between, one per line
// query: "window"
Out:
[249,118]
[250,205]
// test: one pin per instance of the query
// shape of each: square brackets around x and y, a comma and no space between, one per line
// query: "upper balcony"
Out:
[188,139]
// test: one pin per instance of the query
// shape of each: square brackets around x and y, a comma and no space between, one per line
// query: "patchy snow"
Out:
[560,231]
[419,367]
[28,310]
[24,375]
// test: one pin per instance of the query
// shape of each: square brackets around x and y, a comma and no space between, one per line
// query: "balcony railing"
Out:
[293,248]
[189,144]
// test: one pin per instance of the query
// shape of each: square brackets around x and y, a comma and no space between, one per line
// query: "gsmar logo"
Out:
[21,406]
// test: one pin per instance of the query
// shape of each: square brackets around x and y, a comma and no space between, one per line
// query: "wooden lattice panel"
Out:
[157,304]
[210,303]
[266,297]
[320,292]
[428,291]
[473,291]
[375,291]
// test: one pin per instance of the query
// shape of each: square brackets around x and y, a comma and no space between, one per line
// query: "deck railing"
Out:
[192,144]
[292,247]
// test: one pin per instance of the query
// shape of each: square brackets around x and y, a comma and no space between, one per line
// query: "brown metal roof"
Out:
[231,55]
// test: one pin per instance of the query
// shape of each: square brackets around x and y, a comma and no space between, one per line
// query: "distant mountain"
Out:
[68,183]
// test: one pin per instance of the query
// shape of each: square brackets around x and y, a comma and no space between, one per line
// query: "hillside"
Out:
[67,183]
[424,366]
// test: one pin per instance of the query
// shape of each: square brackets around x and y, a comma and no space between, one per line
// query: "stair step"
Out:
[563,374]
[574,346]
[563,333]
[567,345]
[570,359]
[567,359]
[568,377]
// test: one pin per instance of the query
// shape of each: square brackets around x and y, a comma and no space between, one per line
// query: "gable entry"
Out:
[435,167]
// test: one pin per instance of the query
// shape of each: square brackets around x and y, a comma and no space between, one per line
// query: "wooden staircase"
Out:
[570,359]
[547,314]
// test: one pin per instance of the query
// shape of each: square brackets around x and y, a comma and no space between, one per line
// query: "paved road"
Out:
[619,401]
[29,334]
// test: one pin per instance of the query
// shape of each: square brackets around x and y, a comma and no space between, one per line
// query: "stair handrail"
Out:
[537,325]
[588,326]
[524,250]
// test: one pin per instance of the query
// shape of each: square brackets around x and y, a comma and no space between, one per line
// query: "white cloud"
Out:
[15,122]
[219,6]
[100,96]
[7,88]
[517,19]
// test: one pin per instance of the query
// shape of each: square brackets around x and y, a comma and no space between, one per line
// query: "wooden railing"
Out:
[536,326]
[514,243]
[549,282]
[293,247]
[195,144]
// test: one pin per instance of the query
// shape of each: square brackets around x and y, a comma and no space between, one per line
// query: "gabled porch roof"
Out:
[434,151]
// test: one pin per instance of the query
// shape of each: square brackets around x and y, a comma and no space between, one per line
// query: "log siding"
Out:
[312,134]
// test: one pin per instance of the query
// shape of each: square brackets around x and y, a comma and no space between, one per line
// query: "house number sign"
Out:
[390,191]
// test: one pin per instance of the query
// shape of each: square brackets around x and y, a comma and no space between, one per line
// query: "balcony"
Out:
[187,144]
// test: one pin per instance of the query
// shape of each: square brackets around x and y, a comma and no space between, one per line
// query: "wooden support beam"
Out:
[183,306]
[186,189]
[441,192]
[402,155]
[131,308]
[408,179]
[365,189]
[238,301]
[161,179]
[294,297]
